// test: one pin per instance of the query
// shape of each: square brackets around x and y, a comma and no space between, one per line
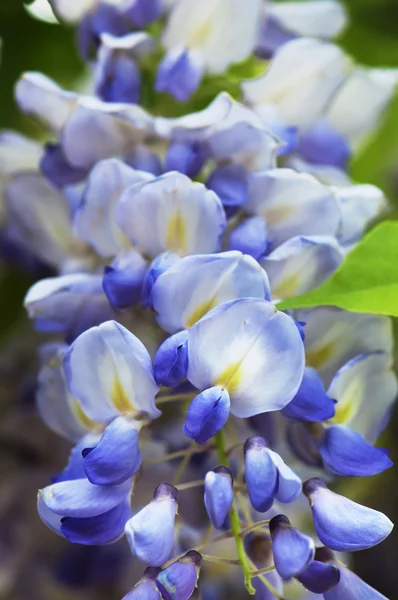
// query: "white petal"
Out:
[293,204]
[172,213]
[18,153]
[365,389]
[40,214]
[375,88]
[41,97]
[185,292]
[252,350]
[94,220]
[319,18]
[72,11]
[96,130]
[224,31]
[359,205]
[58,409]
[334,336]
[300,81]
[301,264]
[110,372]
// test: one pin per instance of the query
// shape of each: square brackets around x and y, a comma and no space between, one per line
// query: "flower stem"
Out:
[220,560]
[191,484]
[178,454]
[255,526]
[174,398]
[235,521]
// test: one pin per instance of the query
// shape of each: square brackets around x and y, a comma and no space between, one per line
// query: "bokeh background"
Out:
[29,454]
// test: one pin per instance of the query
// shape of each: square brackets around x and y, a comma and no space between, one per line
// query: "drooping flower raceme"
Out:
[172,232]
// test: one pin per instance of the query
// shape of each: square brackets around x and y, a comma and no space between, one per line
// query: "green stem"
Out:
[235,521]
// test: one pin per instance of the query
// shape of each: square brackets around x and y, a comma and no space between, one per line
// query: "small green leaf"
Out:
[366,282]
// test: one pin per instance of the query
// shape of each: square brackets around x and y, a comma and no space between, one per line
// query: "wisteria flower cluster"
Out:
[201,415]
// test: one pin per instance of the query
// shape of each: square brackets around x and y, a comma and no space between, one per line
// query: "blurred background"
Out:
[29,453]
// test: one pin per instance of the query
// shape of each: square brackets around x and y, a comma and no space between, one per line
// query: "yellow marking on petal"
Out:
[82,417]
[230,378]
[287,287]
[317,357]
[176,235]
[344,413]
[347,406]
[200,311]
[120,399]
[277,214]
[201,34]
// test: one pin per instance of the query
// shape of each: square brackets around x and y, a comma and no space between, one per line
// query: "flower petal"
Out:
[301,264]
[171,360]
[293,204]
[116,457]
[351,587]
[123,279]
[207,414]
[311,403]
[172,213]
[293,551]
[151,531]
[345,452]
[94,219]
[218,495]
[355,386]
[80,498]
[110,371]
[342,524]
[252,350]
[192,287]
[106,528]
[67,304]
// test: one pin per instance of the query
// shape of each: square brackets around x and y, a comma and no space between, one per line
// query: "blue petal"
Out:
[323,145]
[151,531]
[346,452]
[117,456]
[171,360]
[179,73]
[144,12]
[293,551]
[218,495]
[250,237]
[229,182]
[178,581]
[187,158]
[311,403]
[143,159]
[289,484]
[123,279]
[207,414]
[319,577]
[155,269]
[81,499]
[102,529]
[342,524]
[105,18]
[351,587]
[56,168]
[260,474]
[75,468]
[146,590]
[118,80]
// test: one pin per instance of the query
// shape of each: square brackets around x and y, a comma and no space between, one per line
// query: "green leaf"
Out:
[367,280]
